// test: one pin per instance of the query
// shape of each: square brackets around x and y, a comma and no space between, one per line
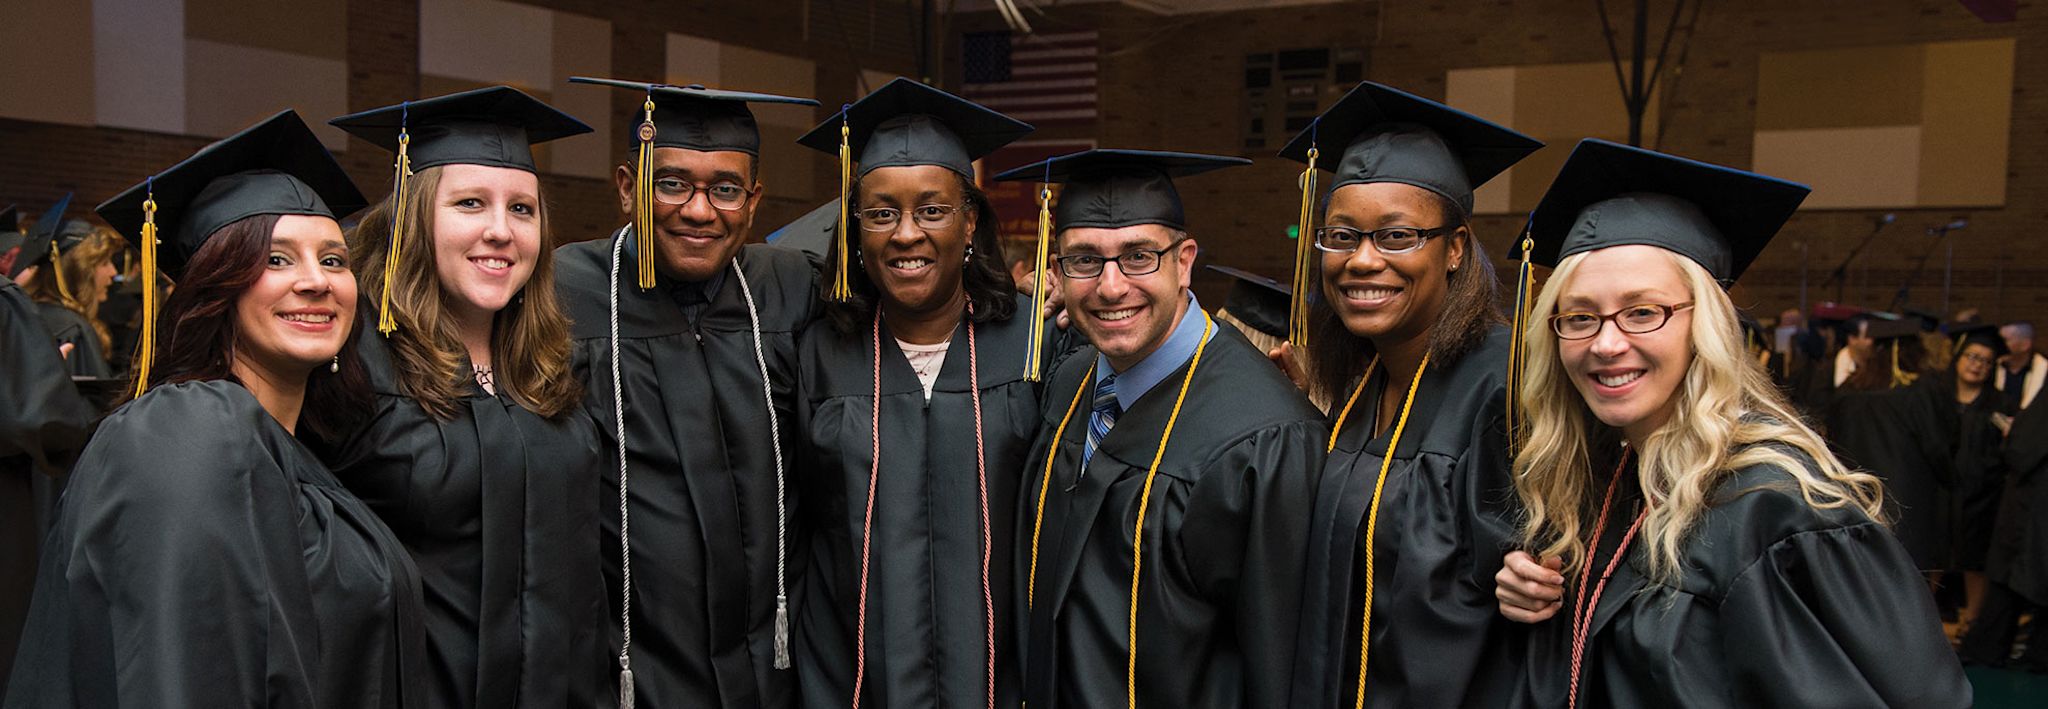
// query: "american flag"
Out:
[1036,78]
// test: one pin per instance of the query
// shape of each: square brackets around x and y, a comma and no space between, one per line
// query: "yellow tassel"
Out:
[1033,364]
[1901,377]
[1304,238]
[643,197]
[401,169]
[57,272]
[146,349]
[1144,502]
[1525,285]
[842,290]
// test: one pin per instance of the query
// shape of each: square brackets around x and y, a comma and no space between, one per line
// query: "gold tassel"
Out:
[643,197]
[146,349]
[401,169]
[1033,362]
[1525,285]
[842,290]
[1304,237]
[1901,377]
[57,272]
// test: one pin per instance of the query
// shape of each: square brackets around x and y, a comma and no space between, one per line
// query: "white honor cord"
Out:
[625,539]
[781,515]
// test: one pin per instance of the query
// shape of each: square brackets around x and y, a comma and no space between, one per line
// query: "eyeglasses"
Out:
[1979,359]
[925,216]
[1133,263]
[1634,320]
[1391,240]
[723,195]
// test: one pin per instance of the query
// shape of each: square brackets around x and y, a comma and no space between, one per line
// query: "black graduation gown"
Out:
[1980,479]
[927,623]
[1225,536]
[87,358]
[2018,558]
[1781,605]
[498,508]
[43,424]
[702,467]
[1447,517]
[1906,436]
[204,558]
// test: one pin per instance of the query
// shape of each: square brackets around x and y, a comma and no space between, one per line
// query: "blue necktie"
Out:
[1106,411]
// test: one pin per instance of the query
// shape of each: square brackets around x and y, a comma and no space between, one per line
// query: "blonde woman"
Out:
[1710,549]
[78,271]
[476,452]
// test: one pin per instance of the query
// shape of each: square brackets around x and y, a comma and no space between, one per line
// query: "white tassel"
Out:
[625,686]
[781,632]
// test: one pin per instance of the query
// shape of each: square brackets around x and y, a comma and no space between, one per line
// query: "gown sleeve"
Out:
[43,416]
[1245,539]
[1837,617]
[174,577]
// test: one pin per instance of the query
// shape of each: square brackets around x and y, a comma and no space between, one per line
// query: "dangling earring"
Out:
[334,365]
[969,258]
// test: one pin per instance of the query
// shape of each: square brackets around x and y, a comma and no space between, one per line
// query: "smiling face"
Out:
[694,240]
[486,237]
[1389,298]
[297,314]
[1127,317]
[917,270]
[1629,380]
[1973,366]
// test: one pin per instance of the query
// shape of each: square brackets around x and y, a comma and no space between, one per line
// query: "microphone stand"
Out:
[1840,275]
[1940,234]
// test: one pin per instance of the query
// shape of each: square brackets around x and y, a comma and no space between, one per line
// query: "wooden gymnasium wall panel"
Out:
[1556,103]
[1889,126]
[468,44]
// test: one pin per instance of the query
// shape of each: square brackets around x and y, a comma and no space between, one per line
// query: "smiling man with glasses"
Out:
[1163,518]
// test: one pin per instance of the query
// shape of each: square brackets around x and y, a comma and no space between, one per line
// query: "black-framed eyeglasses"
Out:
[1391,240]
[1132,263]
[727,196]
[1635,320]
[925,216]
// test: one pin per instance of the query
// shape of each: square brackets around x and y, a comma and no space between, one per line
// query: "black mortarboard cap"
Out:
[1608,194]
[274,167]
[1109,188]
[495,126]
[1383,134]
[909,123]
[1256,300]
[37,242]
[810,233]
[1984,334]
[696,118]
[1887,327]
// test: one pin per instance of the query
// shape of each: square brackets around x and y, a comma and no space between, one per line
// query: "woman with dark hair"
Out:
[1406,340]
[917,416]
[1979,460]
[202,556]
[476,452]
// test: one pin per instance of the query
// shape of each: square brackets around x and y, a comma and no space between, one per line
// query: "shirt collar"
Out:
[1179,347]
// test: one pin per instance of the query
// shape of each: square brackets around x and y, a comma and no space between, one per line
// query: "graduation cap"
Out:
[1984,334]
[1108,189]
[1256,300]
[1609,194]
[902,124]
[689,117]
[495,126]
[1389,135]
[39,245]
[810,233]
[274,167]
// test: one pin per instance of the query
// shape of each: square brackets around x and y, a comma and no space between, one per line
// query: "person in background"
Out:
[1979,463]
[2022,371]
[81,270]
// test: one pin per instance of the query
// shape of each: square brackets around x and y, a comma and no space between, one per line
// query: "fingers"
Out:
[65,349]
[1529,591]
[1283,357]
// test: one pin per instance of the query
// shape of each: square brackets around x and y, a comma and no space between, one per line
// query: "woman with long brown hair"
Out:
[917,417]
[1717,553]
[475,452]
[202,556]
[1405,337]
[77,271]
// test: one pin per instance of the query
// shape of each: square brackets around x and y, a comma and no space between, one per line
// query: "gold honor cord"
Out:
[643,197]
[1372,517]
[402,169]
[1525,287]
[1145,502]
[1297,312]
[842,289]
[1346,411]
[1034,360]
[146,349]
[1051,454]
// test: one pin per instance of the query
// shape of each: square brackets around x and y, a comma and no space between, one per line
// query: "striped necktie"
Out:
[1106,411]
